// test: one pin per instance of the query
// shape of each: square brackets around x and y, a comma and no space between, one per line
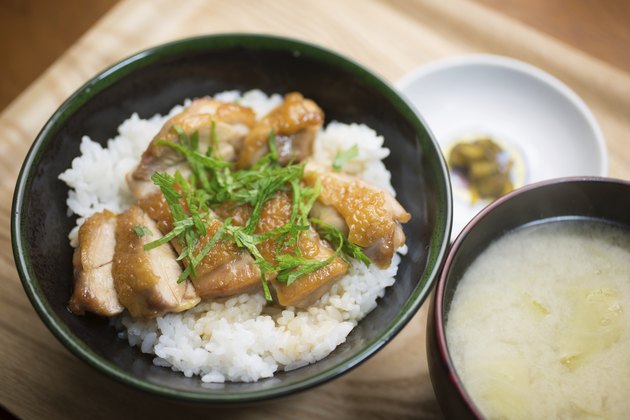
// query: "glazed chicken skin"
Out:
[276,213]
[146,281]
[92,260]
[295,124]
[372,216]
[224,271]
[308,288]
[231,122]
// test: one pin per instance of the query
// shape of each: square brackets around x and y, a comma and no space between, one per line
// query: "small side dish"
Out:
[546,129]
[235,236]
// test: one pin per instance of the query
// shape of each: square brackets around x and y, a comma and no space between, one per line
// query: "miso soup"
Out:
[539,326]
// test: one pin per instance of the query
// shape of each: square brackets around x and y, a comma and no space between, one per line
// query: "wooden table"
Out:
[40,379]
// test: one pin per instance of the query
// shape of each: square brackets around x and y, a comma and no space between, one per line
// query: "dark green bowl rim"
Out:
[119,70]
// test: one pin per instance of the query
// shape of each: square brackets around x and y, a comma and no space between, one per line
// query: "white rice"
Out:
[240,338]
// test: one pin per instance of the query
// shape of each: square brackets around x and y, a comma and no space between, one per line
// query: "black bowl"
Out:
[152,82]
[592,198]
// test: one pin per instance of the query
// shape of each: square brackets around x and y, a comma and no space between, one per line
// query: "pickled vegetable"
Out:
[484,165]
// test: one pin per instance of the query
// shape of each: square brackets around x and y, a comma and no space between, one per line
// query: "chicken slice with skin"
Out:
[231,122]
[238,213]
[373,216]
[295,124]
[93,282]
[224,271]
[308,288]
[146,281]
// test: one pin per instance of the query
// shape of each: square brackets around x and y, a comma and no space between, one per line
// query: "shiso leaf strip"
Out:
[343,156]
[213,181]
[337,239]
[141,231]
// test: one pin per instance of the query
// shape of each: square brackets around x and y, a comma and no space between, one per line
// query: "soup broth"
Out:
[539,326]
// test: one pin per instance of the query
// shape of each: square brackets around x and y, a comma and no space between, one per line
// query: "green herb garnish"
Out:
[142,231]
[213,181]
[337,239]
[343,156]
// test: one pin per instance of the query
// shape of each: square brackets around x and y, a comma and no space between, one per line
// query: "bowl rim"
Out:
[438,308]
[119,70]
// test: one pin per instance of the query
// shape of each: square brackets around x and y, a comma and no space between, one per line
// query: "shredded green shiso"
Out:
[141,231]
[214,181]
[343,156]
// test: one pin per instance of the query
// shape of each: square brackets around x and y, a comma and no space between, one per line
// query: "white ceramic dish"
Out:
[546,127]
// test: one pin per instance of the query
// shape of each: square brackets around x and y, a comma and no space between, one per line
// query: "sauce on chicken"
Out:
[146,282]
[227,124]
[295,124]
[224,271]
[372,216]
[94,284]
[310,287]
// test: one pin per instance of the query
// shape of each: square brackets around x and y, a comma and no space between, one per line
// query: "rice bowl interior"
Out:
[238,338]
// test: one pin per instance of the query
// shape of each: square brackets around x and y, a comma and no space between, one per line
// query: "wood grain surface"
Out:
[35,33]
[600,28]
[40,379]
